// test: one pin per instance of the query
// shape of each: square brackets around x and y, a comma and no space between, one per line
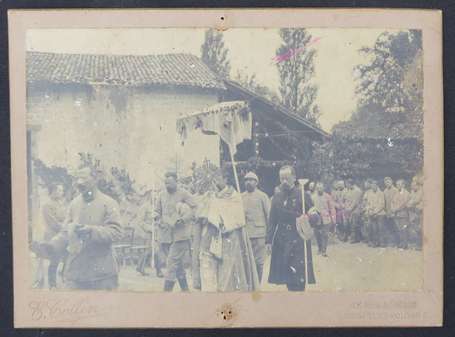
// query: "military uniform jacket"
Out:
[399,204]
[54,214]
[168,208]
[389,194]
[257,207]
[95,261]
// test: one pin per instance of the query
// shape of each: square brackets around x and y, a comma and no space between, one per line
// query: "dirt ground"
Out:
[349,267]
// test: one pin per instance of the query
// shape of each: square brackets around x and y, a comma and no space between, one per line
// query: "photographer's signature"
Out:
[63,310]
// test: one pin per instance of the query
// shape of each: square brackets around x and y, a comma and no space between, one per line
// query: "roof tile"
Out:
[133,70]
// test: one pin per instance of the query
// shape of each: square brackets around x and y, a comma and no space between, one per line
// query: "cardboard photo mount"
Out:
[82,309]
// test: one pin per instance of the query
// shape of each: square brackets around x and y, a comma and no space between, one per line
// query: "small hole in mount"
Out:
[222,18]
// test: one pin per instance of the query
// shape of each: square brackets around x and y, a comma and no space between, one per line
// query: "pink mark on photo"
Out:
[292,52]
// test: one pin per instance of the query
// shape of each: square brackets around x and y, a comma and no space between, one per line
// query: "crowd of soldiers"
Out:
[391,217]
[224,237]
[79,236]
[248,226]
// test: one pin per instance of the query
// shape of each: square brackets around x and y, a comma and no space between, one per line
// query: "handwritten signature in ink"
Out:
[64,310]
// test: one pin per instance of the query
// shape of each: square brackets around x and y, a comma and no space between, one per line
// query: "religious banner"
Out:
[231,120]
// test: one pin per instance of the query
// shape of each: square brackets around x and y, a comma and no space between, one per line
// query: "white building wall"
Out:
[127,128]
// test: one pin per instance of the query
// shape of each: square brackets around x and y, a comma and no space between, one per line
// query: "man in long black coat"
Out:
[291,255]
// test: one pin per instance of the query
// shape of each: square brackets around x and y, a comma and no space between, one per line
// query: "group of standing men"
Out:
[232,233]
[392,217]
[225,234]
[80,236]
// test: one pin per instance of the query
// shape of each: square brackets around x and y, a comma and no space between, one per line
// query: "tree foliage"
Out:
[359,158]
[392,77]
[295,62]
[389,89]
[135,201]
[384,135]
[115,182]
[214,53]
[250,82]
[202,178]
[52,175]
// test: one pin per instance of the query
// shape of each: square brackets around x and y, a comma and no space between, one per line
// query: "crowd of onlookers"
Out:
[235,233]
[381,217]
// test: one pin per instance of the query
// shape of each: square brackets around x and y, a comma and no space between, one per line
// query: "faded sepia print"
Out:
[166,160]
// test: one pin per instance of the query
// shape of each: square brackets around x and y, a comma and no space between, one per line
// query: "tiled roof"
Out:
[132,70]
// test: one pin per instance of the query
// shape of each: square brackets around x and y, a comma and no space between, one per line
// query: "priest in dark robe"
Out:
[291,261]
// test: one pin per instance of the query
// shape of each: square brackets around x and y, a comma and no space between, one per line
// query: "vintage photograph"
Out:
[203,160]
[226,168]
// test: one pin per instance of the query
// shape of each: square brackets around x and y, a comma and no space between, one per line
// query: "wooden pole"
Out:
[231,153]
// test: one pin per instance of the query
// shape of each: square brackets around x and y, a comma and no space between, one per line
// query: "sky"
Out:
[250,51]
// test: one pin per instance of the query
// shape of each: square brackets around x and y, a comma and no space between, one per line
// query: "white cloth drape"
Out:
[232,121]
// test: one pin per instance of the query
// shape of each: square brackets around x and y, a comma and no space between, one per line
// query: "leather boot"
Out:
[168,285]
[183,283]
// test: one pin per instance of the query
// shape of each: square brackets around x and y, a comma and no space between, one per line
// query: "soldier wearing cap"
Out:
[257,207]
[415,208]
[91,226]
[353,201]
[365,226]
[400,213]
[375,210]
[175,210]
[324,205]
[390,227]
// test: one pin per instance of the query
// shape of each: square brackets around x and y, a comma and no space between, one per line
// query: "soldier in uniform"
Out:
[91,226]
[257,207]
[340,225]
[54,213]
[399,211]
[289,259]
[374,207]
[324,205]
[365,226]
[353,201]
[391,232]
[415,208]
[145,223]
[163,242]
[174,211]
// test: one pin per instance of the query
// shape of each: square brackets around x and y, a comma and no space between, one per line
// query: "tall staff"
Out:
[307,233]
[231,153]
